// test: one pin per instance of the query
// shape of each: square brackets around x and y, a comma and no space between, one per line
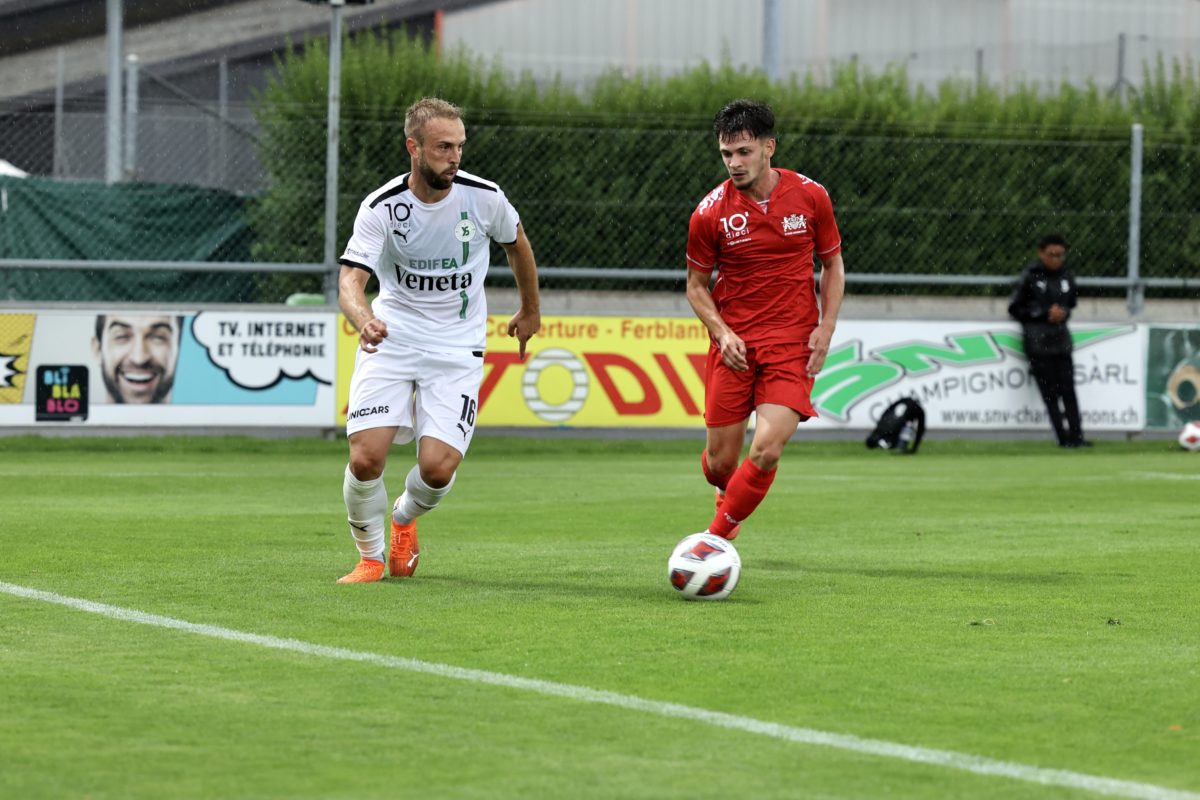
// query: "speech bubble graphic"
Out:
[259,350]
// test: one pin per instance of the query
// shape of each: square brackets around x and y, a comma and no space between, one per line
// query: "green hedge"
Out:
[961,180]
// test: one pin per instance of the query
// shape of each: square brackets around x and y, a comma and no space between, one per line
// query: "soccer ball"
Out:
[704,567]
[1189,437]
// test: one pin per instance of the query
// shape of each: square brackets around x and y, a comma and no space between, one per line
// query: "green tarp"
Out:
[49,219]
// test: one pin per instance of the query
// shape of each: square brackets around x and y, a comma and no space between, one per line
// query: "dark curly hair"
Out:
[749,116]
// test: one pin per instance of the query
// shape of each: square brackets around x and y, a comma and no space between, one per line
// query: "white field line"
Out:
[1166,476]
[875,747]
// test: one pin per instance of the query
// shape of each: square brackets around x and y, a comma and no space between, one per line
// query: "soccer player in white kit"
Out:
[419,366]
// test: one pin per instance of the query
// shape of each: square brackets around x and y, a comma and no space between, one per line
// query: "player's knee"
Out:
[366,466]
[438,474]
[767,457]
[721,463]
[437,479]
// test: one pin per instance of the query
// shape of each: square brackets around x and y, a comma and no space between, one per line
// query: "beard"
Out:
[433,179]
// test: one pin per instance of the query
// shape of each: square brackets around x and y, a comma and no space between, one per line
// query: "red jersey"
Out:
[764,289]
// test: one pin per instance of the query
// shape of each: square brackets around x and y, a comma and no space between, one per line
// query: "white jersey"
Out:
[431,259]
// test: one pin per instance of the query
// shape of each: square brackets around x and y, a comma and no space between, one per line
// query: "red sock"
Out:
[747,488]
[719,481]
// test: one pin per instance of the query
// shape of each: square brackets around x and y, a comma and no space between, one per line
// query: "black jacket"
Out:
[1037,290]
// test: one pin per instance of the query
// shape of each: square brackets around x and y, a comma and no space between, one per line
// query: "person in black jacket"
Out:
[1042,303]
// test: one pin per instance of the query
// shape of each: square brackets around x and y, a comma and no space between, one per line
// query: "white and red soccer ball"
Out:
[1189,437]
[704,567]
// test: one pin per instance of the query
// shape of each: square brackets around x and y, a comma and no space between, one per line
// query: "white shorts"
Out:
[419,393]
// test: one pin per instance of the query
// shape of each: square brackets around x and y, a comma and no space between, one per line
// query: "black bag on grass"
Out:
[901,427]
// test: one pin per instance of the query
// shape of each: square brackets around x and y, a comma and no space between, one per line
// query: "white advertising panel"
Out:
[167,368]
[973,376]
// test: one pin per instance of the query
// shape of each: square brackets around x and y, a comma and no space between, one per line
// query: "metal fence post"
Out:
[131,113]
[60,80]
[331,149]
[1135,294]
[112,160]
[770,52]
[222,122]
[1122,83]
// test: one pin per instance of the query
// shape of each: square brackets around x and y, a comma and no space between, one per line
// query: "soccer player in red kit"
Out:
[760,231]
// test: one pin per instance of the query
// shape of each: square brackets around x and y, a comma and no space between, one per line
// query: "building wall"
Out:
[1001,41]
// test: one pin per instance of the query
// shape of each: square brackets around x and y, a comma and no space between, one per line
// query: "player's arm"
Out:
[528,319]
[362,251]
[833,289]
[1016,301]
[352,299]
[733,349]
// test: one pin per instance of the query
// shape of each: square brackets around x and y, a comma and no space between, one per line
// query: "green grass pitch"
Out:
[1002,600]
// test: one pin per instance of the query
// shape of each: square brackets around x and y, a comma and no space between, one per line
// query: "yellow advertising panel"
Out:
[347,346]
[597,372]
[16,339]
[582,372]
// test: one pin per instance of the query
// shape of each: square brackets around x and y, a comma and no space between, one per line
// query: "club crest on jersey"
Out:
[795,223]
[464,230]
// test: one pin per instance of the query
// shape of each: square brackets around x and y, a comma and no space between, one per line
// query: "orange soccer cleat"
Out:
[736,528]
[405,552]
[365,571]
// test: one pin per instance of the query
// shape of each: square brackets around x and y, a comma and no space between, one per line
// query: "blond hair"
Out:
[425,109]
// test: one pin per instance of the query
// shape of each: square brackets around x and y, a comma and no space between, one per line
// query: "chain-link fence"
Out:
[609,203]
[180,143]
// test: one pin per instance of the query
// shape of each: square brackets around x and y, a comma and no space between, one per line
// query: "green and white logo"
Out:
[464,230]
[853,373]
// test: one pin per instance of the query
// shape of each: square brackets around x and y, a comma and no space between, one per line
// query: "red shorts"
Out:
[777,374]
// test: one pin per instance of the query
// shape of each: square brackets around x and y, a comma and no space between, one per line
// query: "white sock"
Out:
[366,505]
[419,497]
